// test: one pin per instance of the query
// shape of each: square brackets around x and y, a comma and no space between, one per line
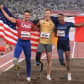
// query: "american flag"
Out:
[9,33]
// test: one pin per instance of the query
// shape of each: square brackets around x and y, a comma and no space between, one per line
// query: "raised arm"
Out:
[55,31]
[11,19]
[79,25]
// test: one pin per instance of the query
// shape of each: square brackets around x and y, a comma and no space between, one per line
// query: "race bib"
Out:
[25,34]
[60,33]
[45,35]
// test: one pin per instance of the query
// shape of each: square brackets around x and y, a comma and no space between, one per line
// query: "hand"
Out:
[1,6]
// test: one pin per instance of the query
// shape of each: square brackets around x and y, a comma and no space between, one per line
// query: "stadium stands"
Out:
[17,7]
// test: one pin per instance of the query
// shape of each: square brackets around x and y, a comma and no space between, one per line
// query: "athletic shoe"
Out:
[69,77]
[48,77]
[37,63]
[17,67]
[28,79]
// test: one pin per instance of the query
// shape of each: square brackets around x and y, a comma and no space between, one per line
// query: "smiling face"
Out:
[26,16]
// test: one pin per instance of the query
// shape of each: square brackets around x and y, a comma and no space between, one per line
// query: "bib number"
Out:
[25,34]
[60,33]
[44,35]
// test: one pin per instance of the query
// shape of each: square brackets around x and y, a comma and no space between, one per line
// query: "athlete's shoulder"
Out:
[30,22]
[71,24]
[18,20]
[53,17]
[41,20]
[35,21]
[55,20]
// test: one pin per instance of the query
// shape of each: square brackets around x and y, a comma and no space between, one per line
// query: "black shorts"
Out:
[63,44]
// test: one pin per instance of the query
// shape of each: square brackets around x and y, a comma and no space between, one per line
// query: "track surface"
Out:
[58,74]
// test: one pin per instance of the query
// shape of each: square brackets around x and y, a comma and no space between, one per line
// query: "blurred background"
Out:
[17,7]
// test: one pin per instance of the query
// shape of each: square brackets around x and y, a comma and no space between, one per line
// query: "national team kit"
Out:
[63,39]
[47,26]
[45,43]
[23,43]
[45,36]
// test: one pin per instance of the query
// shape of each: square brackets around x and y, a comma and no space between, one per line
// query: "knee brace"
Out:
[38,58]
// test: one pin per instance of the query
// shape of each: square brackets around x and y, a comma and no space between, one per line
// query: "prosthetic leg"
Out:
[39,62]
[16,67]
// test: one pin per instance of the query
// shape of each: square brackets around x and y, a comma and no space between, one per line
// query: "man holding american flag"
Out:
[23,28]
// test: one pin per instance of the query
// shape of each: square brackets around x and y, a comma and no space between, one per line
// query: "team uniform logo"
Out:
[26,26]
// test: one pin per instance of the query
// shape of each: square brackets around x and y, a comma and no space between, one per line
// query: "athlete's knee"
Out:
[48,61]
[15,61]
[67,54]
[62,61]
[38,58]
[67,58]
[61,58]
[49,57]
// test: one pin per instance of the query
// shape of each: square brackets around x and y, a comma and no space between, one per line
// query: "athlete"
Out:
[23,43]
[46,28]
[62,32]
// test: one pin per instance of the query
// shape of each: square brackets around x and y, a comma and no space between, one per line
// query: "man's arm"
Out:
[79,25]
[35,21]
[11,19]
[55,20]
[36,27]
[55,31]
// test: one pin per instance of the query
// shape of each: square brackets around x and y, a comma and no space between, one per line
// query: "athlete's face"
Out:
[61,18]
[47,14]
[27,16]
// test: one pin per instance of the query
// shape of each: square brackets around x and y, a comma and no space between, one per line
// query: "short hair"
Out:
[48,9]
[27,11]
[61,14]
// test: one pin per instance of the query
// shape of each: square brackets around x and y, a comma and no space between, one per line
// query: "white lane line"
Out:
[13,65]
[6,55]
[6,63]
